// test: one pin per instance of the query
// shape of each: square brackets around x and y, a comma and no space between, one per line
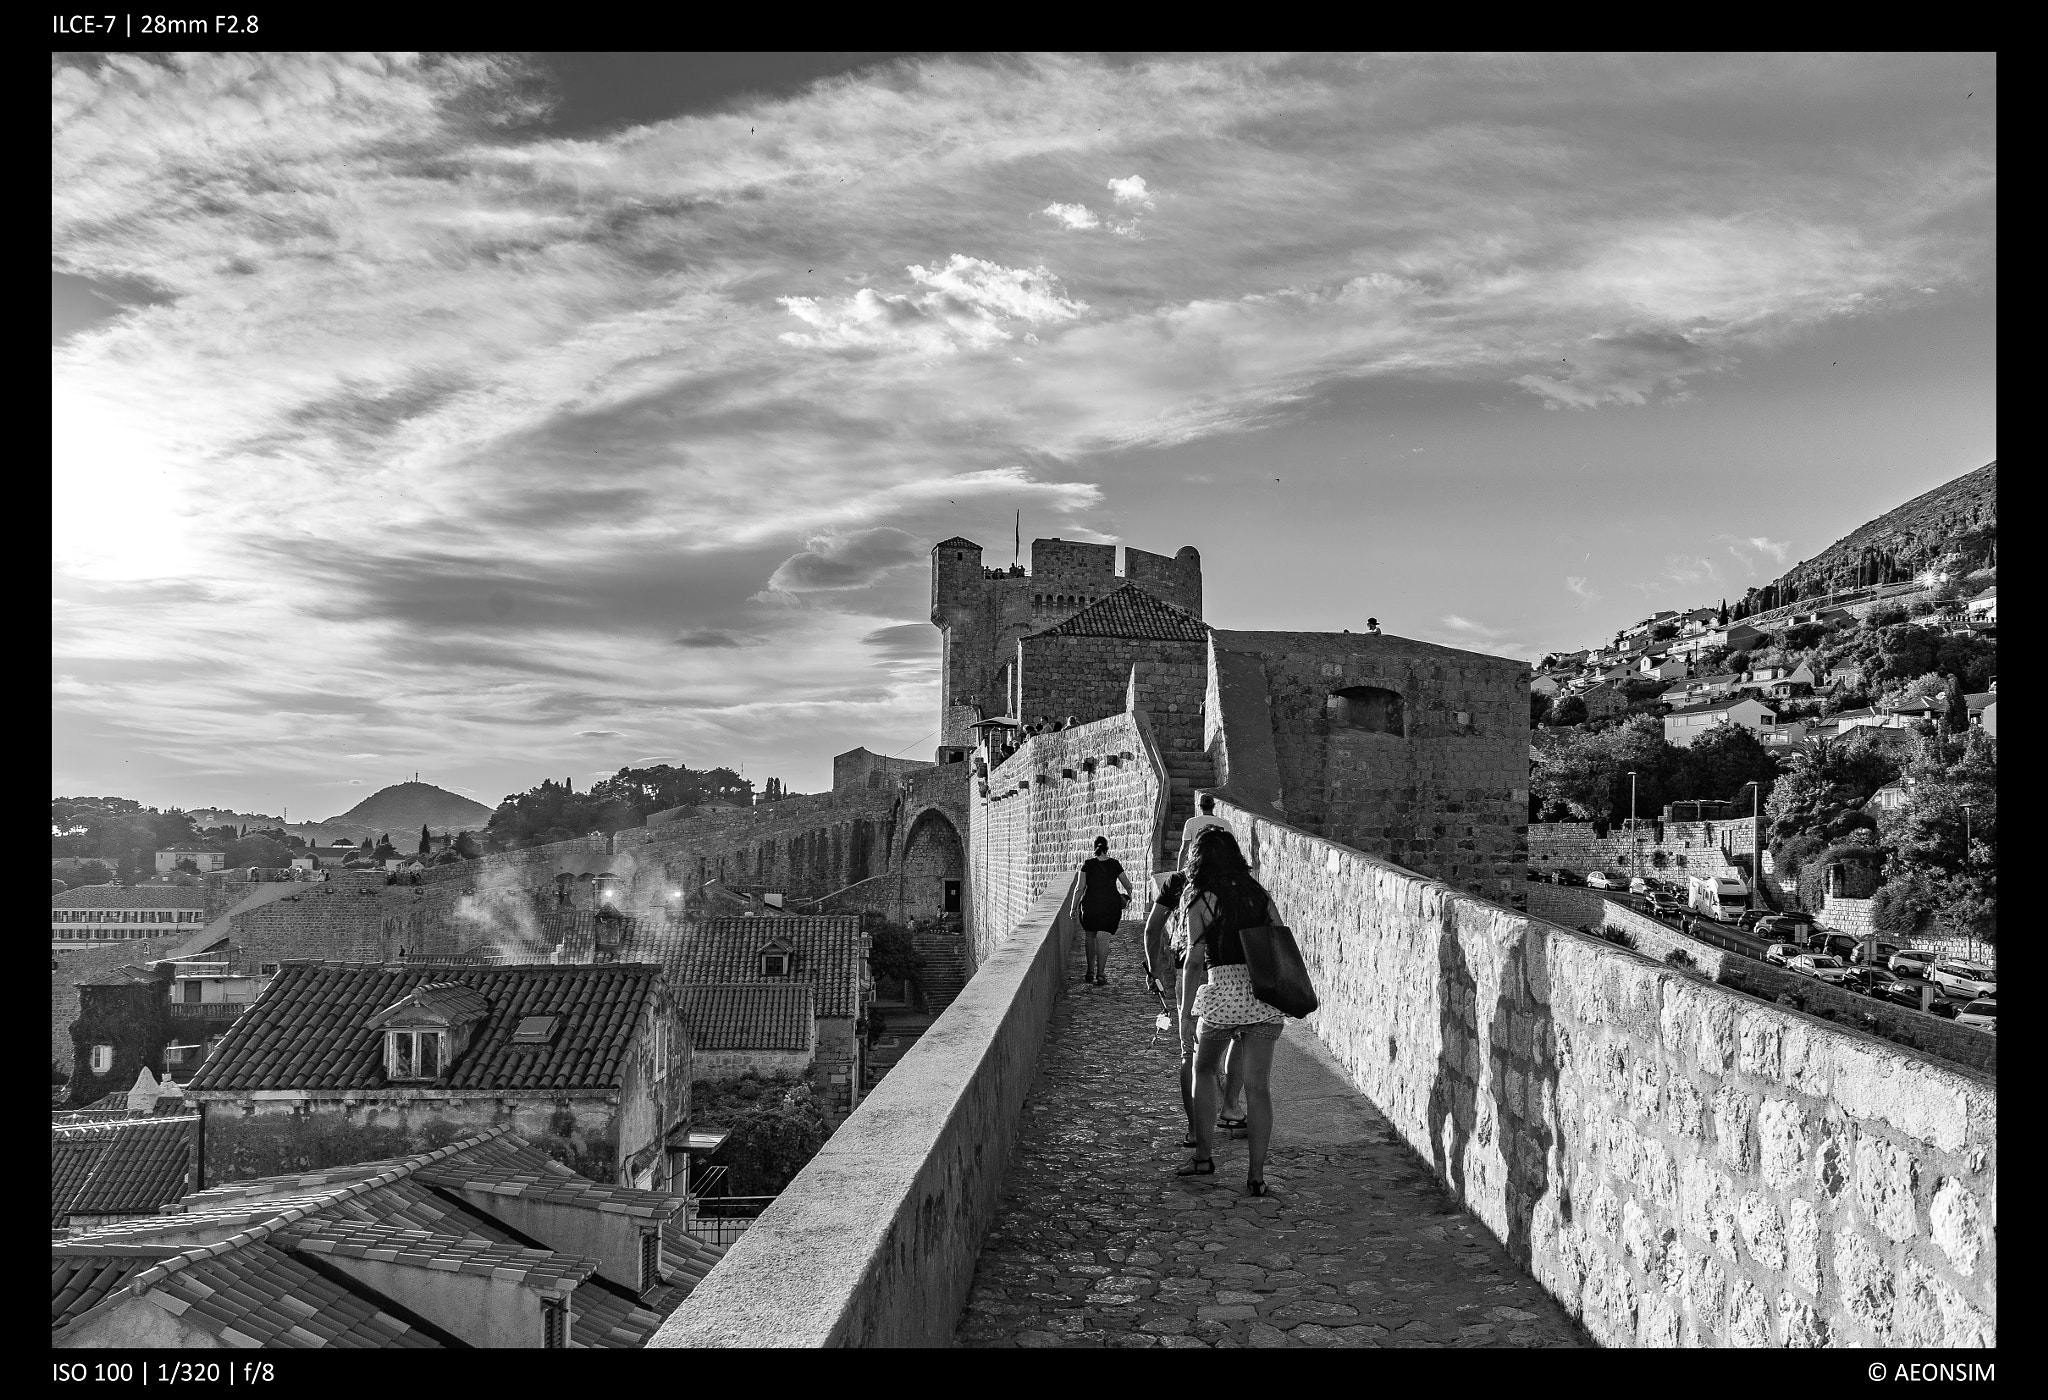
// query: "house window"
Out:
[774,963]
[102,1058]
[660,1048]
[412,1054]
[554,1315]
[1368,707]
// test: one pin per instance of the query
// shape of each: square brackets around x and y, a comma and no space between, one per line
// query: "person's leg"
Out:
[1233,1082]
[1095,940]
[1256,1049]
[1209,1049]
[1187,1072]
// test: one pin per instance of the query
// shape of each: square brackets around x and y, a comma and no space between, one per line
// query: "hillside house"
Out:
[486,1242]
[592,1057]
[1663,668]
[98,914]
[1688,723]
[167,860]
[1605,701]
[1983,607]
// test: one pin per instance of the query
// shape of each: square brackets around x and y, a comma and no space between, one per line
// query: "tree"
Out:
[93,872]
[188,865]
[1943,869]
[1539,708]
[1722,763]
[262,852]
[554,811]
[1957,718]
[774,1128]
[1663,631]
[426,841]
[466,846]
[893,954]
[1567,712]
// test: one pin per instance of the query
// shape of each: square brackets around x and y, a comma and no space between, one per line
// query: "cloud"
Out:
[410,386]
[1471,628]
[1689,571]
[907,641]
[702,638]
[599,734]
[1130,192]
[1072,216]
[853,560]
[971,304]
[1584,591]
[1746,550]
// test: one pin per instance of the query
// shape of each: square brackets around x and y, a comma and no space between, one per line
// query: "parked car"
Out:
[1781,953]
[1908,994]
[1914,962]
[1666,905]
[1566,877]
[1791,927]
[1827,969]
[1638,885]
[1601,880]
[1973,979]
[1870,981]
[1748,919]
[1982,1013]
[1845,946]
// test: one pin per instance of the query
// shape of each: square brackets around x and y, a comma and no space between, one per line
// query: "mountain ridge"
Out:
[411,805]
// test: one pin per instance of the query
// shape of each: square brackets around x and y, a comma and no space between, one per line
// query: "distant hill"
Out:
[1954,524]
[406,807]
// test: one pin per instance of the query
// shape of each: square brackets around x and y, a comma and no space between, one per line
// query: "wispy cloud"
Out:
[650,428]
[1581,589]
[1747,551]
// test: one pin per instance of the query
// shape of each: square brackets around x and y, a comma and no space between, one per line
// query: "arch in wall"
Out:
[934,866]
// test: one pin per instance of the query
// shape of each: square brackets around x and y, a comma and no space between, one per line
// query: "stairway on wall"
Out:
[945,966]
[1186,774]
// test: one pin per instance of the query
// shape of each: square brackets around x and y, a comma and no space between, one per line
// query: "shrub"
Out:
[1678,957]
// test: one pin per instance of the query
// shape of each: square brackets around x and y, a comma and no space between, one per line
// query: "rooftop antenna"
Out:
[1017,549]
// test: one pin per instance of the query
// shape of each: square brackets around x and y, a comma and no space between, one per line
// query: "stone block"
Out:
[1735,1111]
[1866,1284]
[1800,1324]
[1705,1289]
[1749,1316]
[1957,1224]
[1763,1230]
[1885,1179]
[1932,1313]
[1684,1109]
[1781,1129]
[1803,1245]
[1707,1206]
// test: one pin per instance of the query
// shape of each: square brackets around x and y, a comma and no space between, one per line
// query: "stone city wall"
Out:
[1045,806]
[1088,678]
[1687,848]
[1679,1164]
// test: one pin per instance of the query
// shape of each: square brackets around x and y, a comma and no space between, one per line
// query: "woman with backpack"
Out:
[1100,895]
[1216,991]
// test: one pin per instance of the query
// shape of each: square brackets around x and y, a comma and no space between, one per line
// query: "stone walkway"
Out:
[1097,1242]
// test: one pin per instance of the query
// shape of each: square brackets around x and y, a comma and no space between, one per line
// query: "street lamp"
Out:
[1635,855]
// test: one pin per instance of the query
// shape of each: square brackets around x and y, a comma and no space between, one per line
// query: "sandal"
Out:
[1190,1140]
[1254,1186]
[1234,1125]
[1200,1166]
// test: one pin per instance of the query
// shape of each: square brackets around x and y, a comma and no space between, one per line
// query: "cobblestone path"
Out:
[1097,1242]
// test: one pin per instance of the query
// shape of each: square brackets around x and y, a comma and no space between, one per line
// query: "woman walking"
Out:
[1216,990]
[1100,895]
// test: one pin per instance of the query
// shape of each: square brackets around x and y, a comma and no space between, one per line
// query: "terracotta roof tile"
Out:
[1132,612]
[726,951]
[124,1166]
[131,897]
[311,1027]
[748,1016]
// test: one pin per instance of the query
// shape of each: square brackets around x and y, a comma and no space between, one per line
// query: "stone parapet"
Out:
[1679,1164]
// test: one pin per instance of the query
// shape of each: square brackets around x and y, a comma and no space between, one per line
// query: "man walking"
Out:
[1194,825]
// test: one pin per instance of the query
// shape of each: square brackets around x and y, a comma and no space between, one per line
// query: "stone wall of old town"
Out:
[1678,1163]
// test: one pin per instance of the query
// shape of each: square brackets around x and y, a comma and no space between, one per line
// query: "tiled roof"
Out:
[957,542]
[132,1165]
[257,1295]
[452,1002]
[406,1210]
[726,950]
[127,897]
[542,1269]
[1132,612]
[1706,706]
[310,1029]
[748,1016]
[118,977]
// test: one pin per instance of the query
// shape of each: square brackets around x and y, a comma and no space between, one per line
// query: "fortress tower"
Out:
[981,612]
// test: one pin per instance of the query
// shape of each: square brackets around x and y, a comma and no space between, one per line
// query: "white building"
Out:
[1683,726]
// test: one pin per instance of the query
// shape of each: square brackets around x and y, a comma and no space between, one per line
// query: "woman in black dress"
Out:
[1100,895]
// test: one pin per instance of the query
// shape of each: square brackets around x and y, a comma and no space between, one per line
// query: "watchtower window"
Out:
[1368,707]
[874,777]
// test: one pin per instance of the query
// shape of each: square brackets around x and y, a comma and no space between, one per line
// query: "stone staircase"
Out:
[945,966]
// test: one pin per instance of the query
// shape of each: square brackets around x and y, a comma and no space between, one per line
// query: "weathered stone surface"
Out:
[1749,1316]
[1763,1230]
[1867,1286]
[1885,1178]
[1802,1245]
[1957,1225]
[1781,1141]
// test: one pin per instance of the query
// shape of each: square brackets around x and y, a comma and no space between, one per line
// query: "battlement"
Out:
[983,612]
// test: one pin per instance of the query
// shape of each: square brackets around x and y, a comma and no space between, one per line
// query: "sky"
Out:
[496,417]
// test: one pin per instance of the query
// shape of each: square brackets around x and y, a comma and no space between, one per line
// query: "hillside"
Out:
[405,807]
[1959,517]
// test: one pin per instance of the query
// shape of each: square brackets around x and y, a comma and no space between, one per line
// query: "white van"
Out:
[1721,898]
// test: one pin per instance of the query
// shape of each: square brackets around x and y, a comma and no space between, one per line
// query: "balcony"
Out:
[209,1010]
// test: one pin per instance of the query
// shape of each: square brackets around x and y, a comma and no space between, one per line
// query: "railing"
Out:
[209,1010]
[723,1219]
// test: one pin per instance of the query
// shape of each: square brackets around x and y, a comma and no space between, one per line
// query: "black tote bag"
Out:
[1279,977]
